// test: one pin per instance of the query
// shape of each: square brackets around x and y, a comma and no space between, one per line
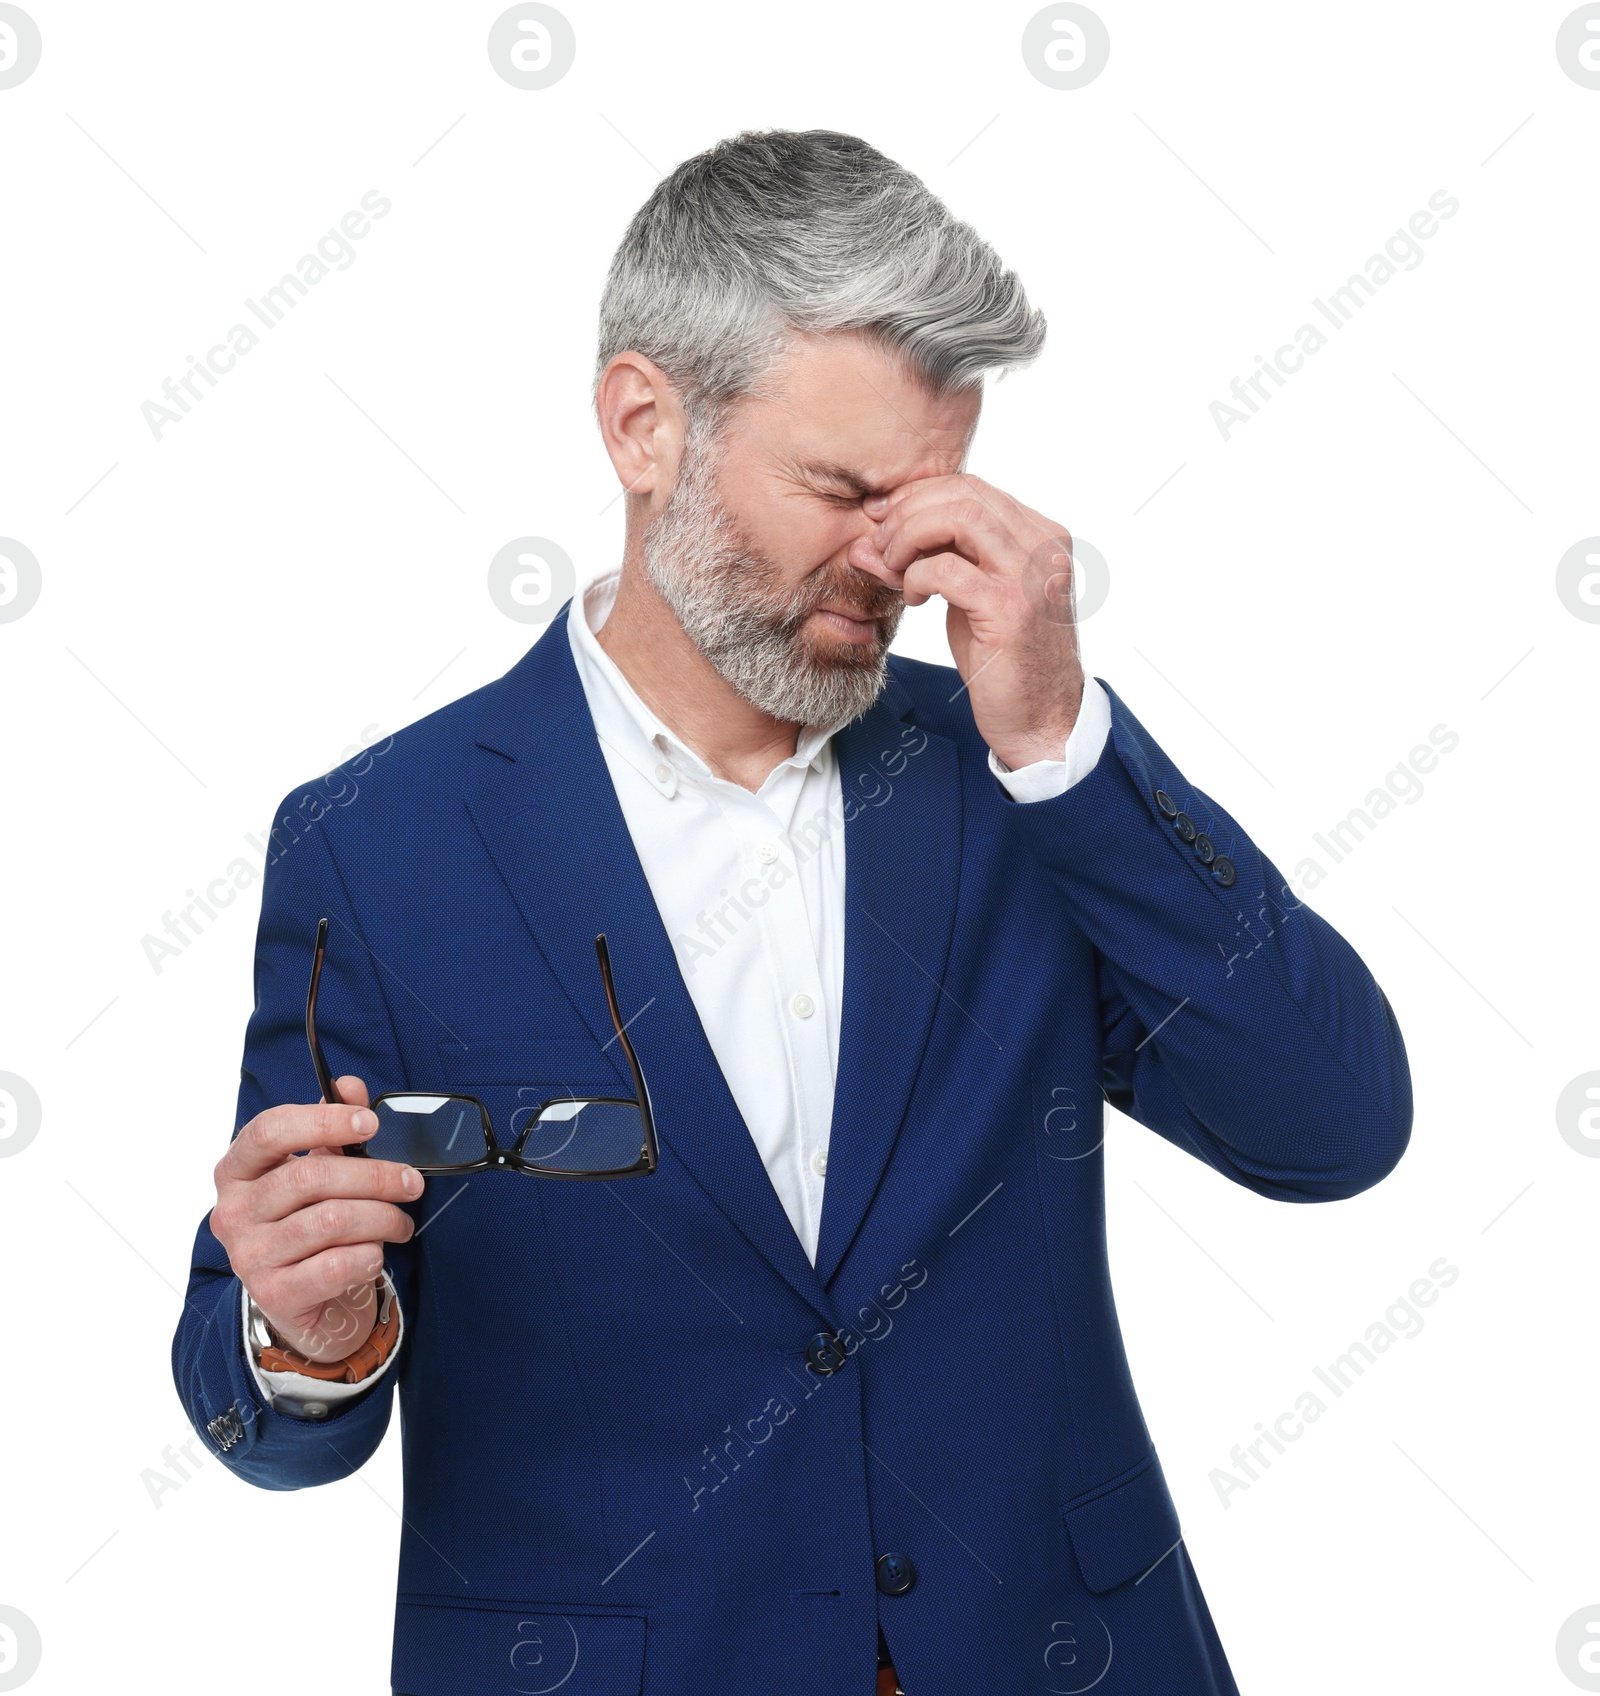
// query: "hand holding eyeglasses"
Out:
[305,1235]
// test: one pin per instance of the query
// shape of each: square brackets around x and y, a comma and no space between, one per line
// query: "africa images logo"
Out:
[333,252]
[1402,251]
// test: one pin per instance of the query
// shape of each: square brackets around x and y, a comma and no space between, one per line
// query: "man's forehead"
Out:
[844,413]
[869,454]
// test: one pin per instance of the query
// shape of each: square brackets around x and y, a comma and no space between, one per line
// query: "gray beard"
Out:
[729,598]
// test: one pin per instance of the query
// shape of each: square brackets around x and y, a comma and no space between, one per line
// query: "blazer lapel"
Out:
[902,798]
[543,801]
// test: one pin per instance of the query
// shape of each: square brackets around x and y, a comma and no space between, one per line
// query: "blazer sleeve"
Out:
[1237,1023]
[222,1397]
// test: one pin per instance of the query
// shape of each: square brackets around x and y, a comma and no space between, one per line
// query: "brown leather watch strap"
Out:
[354,1367]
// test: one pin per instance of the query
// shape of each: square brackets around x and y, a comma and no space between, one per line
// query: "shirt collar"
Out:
[624,721]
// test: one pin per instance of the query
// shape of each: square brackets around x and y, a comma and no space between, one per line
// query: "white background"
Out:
[226,610]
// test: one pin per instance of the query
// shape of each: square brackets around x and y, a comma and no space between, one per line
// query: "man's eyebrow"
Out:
[828,471]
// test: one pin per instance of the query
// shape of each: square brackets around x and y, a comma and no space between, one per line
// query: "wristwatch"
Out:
[272,1355]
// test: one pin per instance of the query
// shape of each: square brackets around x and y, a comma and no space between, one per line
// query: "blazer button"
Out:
[1203,847]
[895,1574]
[1165,803]
[1185,827]
[1222,870]
[825,1354]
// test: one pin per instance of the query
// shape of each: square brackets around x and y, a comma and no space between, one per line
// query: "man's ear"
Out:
[643,426]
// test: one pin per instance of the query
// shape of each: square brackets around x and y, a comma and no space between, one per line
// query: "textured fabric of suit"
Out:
[620,1474]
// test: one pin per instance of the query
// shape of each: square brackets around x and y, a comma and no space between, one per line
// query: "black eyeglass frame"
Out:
[495,1156]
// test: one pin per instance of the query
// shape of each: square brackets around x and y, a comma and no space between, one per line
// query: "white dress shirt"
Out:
[750,888]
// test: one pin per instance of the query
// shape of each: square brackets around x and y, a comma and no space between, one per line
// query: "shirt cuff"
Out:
[1045,779]
[303,1397]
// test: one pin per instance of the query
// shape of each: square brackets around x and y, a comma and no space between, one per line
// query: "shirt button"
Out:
[819,1163]
[803,1006]
[663,772]
[767,853]
[315,1410]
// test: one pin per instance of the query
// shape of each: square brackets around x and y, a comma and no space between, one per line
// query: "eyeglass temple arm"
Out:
[603,954]
[324,1076]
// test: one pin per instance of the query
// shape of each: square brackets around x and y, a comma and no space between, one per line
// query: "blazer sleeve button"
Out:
[1222,870]
[1185,827]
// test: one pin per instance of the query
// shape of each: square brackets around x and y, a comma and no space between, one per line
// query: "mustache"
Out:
[846,587]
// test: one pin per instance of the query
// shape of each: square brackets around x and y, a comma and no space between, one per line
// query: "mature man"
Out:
[836,1377]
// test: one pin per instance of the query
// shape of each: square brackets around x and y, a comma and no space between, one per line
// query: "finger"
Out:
[864,556]
[924,492]
[328,1276]
[962,523]
[906,497]
[351,1090]
[329,1224]
[967,526]
[297,1184]
[916,493]
[961,583]
[941,486]
[274,1135]
[867,553]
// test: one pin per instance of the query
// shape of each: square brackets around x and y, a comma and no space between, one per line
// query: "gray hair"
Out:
[774,232]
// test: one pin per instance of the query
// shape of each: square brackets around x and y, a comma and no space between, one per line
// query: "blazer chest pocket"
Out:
[1123,1528]
[514,1076]
[444,1649]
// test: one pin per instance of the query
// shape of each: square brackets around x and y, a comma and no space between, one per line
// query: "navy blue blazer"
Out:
[622,1473]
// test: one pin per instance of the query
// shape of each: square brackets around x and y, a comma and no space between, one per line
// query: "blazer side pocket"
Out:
[1122,1528]
[444,1649]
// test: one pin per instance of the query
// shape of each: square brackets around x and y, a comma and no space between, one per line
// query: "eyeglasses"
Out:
[575,1136]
